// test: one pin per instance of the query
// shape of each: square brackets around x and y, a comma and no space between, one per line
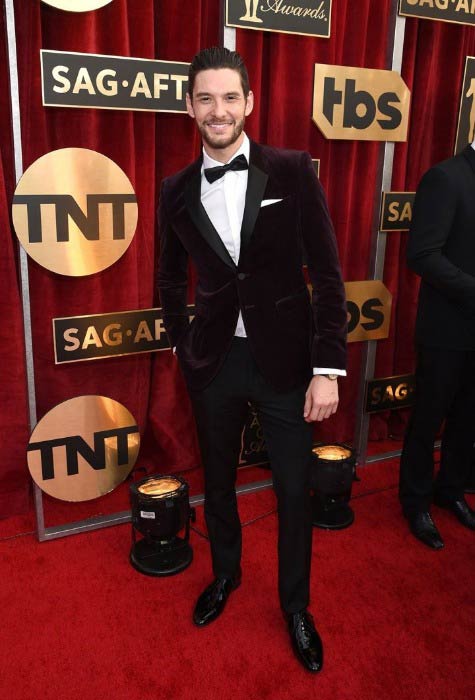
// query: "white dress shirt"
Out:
[223,201]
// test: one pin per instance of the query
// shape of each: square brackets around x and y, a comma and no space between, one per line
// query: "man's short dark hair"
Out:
[214,58]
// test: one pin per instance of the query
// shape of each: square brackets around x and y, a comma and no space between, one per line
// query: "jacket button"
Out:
[242,275]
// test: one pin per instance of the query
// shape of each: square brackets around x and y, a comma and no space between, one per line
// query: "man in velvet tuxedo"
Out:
[441,250]
[244,214]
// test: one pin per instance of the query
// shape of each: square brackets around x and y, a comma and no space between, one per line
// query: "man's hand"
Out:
[321,399]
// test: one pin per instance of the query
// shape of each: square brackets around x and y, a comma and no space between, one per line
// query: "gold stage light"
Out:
[160,510]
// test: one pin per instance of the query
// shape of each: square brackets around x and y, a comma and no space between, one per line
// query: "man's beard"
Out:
[215,141]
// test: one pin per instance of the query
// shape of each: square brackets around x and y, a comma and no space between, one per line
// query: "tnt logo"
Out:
[83,448]
[75,211]
[360,103]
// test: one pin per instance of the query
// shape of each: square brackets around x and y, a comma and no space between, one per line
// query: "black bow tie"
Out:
[238,163]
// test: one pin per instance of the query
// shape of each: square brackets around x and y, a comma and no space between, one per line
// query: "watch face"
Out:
[331,376]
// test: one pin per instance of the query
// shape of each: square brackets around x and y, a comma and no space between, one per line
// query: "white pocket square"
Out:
[266,202]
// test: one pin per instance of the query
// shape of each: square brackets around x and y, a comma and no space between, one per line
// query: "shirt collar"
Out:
[244,149]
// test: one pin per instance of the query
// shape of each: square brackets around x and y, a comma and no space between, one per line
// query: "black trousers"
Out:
[445,390]
[221,410]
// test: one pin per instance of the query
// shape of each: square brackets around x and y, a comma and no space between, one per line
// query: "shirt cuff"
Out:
[326,370]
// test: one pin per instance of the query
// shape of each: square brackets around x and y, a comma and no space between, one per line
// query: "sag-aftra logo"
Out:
[396,211]
[71,79]
[360,103]
[75,211]
[77,5]
[458,11]
[390,393]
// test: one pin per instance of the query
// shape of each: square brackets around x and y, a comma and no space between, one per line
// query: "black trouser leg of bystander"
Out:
[441,382]
[456,452]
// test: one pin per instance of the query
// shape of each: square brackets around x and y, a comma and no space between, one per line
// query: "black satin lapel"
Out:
[256,185]
[202,221]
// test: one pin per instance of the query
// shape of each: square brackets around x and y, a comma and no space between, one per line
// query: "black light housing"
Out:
[160,510]
[332,476]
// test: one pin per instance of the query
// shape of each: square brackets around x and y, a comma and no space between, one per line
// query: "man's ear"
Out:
[189,106]
[249,103]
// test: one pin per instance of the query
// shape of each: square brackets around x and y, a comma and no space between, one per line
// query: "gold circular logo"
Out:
[83,448]
[77,5]
[75,211]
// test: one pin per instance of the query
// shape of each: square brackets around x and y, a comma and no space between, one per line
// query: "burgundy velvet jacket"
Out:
[288,332]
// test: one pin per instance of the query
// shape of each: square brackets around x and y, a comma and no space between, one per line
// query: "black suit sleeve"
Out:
[328,295]
[172,275]
[433,219]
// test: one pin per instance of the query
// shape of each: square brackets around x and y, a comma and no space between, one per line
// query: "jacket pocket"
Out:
[292,300]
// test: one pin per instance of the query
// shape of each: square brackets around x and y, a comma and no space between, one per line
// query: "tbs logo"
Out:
[360,103]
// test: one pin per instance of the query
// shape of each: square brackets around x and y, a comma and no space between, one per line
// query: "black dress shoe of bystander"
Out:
[460,508]
[423,527]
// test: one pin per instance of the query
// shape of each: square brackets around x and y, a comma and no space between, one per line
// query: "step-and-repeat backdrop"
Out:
[75,213]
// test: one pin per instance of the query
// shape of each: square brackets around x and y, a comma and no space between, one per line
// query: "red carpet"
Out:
[397,620]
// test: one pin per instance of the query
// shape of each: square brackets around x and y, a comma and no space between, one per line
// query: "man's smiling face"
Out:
[219,107]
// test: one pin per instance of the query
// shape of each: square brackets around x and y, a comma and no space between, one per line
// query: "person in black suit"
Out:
[244,213]
[441,250]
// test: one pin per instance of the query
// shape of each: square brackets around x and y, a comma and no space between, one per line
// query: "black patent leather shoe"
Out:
[306,641]
[460,509]
[423,527]
[211,602]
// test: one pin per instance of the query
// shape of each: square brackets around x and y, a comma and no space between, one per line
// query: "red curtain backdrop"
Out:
[148,147]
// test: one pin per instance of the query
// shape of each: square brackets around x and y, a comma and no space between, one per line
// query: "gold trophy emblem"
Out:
[251,12]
